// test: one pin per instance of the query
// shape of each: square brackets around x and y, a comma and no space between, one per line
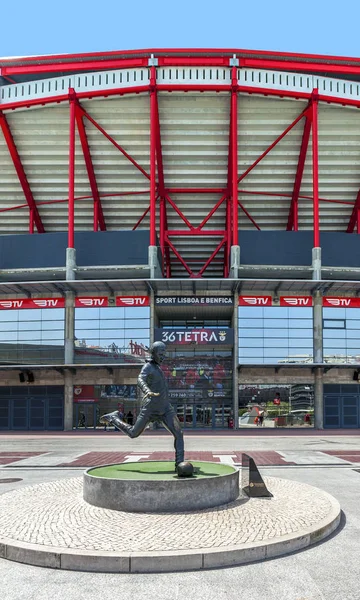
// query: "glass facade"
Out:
[111,334]
[32,336]
[276,405]
[341,335]
[272,334]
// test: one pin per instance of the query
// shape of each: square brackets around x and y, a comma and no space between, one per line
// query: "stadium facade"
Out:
[206,198]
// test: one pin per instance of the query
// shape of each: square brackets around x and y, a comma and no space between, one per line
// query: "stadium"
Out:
[206,198]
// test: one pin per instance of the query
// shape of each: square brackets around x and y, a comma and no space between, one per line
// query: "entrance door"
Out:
[349,405]
[20,413]
[4,413]
[37,413]
[85,415]
[205,414]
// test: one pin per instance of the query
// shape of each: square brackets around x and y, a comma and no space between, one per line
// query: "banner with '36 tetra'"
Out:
[211,336]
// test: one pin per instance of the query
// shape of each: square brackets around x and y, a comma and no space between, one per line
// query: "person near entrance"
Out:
[155,403]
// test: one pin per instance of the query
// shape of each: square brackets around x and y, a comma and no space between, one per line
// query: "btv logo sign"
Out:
[50,303]
[132,301]
[255,300]
[296,301]
[90,302]
[11,303]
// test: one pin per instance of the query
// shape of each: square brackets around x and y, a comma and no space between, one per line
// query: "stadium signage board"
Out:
[255,301]
[21,303]
[215,337]
[104,301]
[293,301]
[341,302]
[296,301]
[194,301]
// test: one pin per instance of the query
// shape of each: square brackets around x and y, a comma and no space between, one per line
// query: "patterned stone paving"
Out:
[55,515]
[261,458]
[11,457]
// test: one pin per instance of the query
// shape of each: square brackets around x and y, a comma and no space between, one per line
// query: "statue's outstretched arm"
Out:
[144,379]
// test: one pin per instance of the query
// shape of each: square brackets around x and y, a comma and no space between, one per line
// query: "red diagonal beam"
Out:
[278,139]
[209,260]
[179,257]
[98,211]
[248,215]
[178,211]
[111,139]
[34,213]
[293,213]
[355,216]
[141,218]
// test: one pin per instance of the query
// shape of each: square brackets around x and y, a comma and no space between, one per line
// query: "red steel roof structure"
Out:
[194,145]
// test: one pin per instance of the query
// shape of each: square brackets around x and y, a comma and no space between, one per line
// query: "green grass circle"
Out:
[158,470]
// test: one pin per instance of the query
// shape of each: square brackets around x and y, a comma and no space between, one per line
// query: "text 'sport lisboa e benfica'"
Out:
[207,198]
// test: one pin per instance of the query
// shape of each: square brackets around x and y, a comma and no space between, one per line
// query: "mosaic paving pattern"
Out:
[54,514]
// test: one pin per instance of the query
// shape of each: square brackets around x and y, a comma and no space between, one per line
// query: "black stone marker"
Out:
[251,481]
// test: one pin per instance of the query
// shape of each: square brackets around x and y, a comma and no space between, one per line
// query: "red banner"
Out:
[255,301]
[341,302]
[20,303]
[296,301]
[132,300]
[92,302]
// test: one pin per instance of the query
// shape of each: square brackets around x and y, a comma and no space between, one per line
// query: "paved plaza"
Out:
[328,570]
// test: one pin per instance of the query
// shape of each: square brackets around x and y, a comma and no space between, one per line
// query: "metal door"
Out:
[20,413]
[349,411]
[4,413]
[36,413]
[331,411]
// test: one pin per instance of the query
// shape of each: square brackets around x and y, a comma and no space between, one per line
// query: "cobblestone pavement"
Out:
[54,514]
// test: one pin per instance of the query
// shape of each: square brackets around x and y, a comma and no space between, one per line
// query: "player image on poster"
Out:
[197,379]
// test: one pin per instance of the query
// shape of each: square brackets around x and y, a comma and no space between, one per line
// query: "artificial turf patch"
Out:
[158,470]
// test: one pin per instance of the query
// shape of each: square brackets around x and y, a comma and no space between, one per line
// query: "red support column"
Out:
[234,159]
[98,212]
[293,221]
[34,213]
[71,204]
[315,163]
[152,156]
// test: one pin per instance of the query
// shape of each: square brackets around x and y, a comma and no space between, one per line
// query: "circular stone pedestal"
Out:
[154,487]
[50,525]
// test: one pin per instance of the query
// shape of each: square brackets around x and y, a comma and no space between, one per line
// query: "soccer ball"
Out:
[185,469]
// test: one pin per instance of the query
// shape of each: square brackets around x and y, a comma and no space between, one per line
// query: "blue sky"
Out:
[310,26]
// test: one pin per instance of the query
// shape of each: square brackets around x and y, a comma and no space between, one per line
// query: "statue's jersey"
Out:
[152,379]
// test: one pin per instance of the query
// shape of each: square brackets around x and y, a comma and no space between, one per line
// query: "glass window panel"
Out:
[32,326]
[250,352]
[301,323]
[353,324]
[334,324]
[9,315]
[275,312]
[330,334]
[276,343]
[251,343]
[334,313]
[8,336]
[352,333]
[270,333]
[301,312]
[245,333]
[276,323]
[8,326]
[251,312]
[301,333]
[250,323]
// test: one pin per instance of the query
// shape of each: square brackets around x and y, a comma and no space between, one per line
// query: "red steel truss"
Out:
[160,196]
[34,216]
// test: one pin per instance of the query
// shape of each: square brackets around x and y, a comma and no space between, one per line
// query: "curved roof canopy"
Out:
[193,144]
